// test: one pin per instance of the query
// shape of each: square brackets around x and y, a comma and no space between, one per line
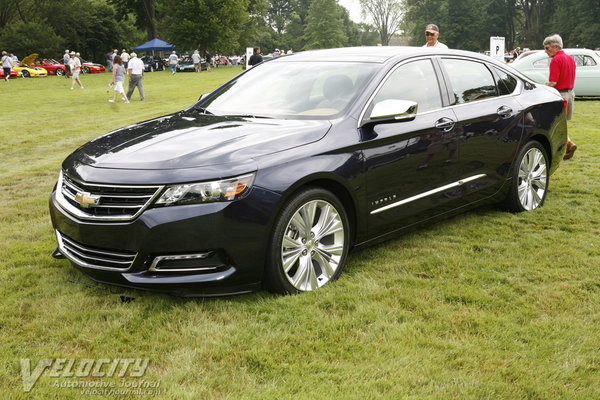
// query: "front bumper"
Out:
[194,250]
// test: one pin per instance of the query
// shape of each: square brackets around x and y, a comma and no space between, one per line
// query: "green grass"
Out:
[484,305]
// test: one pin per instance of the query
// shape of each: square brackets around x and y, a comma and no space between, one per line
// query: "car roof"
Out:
[373,54]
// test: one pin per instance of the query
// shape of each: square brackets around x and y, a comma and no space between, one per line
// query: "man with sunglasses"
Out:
[432,32]
[562,78]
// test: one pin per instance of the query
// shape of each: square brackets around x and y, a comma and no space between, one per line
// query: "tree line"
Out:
[468,24]
[94,27]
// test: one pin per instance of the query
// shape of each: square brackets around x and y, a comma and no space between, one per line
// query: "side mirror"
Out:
[394,110]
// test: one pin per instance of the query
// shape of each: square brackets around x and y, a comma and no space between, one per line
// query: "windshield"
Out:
[292,90]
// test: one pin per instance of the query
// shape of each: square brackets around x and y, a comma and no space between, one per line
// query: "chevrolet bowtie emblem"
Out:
[87,200]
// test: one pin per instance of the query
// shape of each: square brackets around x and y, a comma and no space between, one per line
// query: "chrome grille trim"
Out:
[110,202]
[88,257]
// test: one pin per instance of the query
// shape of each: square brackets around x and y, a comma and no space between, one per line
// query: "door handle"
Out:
[445,124]
[504,112]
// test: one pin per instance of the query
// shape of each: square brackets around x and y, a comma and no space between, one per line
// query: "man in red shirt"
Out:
[562,78]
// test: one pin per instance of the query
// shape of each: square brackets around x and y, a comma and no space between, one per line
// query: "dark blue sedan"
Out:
[271,179]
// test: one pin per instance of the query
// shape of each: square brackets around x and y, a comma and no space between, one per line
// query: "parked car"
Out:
[88,67]
[26,69]
[153,63]
[536,65]
[13,74]
[186,64]
[52,66]
[274,176]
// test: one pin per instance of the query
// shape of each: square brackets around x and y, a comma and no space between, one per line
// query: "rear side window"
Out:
[584,61]
[415,81]
[506,83]
[470,80]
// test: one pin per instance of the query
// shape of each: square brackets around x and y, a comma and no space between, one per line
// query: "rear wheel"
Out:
[86,70]
[310,242]
[25,74]
[530,178]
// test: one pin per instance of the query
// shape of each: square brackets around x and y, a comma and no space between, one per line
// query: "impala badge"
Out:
[87,200]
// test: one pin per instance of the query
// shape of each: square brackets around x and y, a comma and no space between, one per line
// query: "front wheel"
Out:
[60,72]
[310,242]
[530,178]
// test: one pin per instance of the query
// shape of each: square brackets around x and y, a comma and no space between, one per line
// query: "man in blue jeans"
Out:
[173,61]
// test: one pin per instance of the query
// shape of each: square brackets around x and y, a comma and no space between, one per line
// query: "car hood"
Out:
[28,60]
[191,139]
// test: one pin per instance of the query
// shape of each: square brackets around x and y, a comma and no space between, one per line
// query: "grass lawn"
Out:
[484,305]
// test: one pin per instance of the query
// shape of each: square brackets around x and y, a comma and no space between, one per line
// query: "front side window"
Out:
[415,81]
[470,80]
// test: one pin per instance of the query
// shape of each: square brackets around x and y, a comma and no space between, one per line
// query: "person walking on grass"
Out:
[7,65]
[135,70]
[173,61]
[118,78]
[75,66]
[562,78]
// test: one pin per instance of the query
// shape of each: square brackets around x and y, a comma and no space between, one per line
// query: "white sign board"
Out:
[497,48]
[249,52]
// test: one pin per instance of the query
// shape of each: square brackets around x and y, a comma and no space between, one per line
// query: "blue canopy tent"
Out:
[155,45]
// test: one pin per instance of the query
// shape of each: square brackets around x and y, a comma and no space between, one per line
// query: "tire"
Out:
[304,257]
[530,179]
[25,74]
[85,70]
[60,72]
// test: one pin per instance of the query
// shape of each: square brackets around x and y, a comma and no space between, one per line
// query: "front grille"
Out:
[92,257]
[93,201]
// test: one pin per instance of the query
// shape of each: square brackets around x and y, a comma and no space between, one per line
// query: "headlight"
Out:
[206,192]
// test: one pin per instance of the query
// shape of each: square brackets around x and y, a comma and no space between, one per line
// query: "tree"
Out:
[324,28]
[144,11]
[387,15]
[202,24]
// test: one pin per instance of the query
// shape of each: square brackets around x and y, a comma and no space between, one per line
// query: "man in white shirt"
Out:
[125,57]
[432,32]
[135,69]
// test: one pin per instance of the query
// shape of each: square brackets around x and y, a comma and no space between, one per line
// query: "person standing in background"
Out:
[196,60]
[255,58]
[208,58]
[125,58]
[66,59]
[432,33]
[562,78]
[135,70]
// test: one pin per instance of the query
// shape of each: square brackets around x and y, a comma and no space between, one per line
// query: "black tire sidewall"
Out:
[512,201]
[275,279]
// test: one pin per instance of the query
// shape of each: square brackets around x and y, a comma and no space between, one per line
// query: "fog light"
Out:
[184,263]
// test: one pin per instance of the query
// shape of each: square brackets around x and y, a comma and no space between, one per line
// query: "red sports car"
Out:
[58,68]
[52,66]
[13,74]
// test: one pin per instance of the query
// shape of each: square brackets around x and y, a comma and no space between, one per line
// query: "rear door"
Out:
[488,127]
